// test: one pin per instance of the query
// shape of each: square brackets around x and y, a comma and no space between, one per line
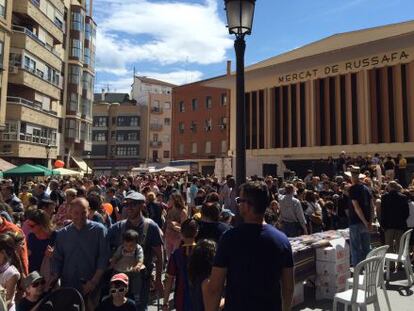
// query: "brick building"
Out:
[200,131]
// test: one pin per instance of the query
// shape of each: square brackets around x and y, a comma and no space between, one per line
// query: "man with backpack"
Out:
[150,240]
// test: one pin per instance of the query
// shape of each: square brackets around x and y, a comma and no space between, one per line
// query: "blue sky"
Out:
[186,40]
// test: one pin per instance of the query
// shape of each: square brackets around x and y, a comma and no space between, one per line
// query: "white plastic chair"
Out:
[403,257]
[379,251]
[361,297]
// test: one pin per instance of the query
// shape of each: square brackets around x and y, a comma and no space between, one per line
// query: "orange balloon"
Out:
[108,208]
[59,164]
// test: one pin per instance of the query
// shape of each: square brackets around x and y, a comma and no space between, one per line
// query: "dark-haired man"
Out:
[254,260]
[210,228]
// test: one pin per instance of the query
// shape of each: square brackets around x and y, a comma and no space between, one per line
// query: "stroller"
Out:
[68,299]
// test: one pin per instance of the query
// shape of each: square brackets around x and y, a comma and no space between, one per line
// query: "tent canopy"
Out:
[82,165]
[65,172]
[25,170]
[171,169]
[47,170]
[4,165]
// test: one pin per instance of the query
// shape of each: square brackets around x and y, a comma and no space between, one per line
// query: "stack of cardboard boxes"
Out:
[332,269]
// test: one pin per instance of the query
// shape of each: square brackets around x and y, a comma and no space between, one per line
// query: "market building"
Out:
[350,92]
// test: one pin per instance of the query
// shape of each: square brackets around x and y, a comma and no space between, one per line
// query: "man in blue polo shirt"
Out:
[254,260]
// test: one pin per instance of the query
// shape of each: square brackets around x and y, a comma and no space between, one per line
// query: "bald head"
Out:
[79,211]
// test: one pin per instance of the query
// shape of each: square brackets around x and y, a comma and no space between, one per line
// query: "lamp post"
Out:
[48,147]
[88,156]
[240,20]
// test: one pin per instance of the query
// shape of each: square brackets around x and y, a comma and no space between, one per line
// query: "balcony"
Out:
[155,144]
[32,8]
[155,127]
[27,147]
[156,110]
[32,112]
[23,38]
[34,79]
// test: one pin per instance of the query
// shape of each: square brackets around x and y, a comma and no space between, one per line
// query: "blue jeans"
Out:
[360,242]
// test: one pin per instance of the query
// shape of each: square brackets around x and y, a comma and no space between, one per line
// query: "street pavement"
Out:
[401,298]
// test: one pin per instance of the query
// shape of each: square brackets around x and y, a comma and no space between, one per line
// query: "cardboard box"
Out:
[332,281]
[298,294]
[331,268]
[327,292]
[336,253]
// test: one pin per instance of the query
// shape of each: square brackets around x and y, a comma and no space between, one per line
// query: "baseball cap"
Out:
[31,278]
[120,277]
[134,195]
[227,213]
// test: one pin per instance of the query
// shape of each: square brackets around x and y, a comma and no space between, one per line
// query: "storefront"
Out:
[349,92]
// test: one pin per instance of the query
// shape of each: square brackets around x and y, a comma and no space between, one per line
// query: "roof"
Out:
[112,97]
[200,81]
[154,81]
[337,42]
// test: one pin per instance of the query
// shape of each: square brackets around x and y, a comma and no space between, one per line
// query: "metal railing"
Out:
[28,103]
[32,35]
[155,144]
[156,127]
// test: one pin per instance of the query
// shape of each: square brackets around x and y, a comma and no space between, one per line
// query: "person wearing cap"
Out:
[226,216]
[81,253]
[150,240]
[117,299]
[394,214]
[360,218]
[34,291]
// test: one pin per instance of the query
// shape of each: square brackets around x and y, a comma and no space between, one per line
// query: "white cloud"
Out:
[123,83]
[167,32]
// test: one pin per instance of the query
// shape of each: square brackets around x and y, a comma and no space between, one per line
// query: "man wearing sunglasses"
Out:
[254,260]
[34,288]
[117,299]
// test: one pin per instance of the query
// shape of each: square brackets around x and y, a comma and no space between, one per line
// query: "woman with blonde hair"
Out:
[176,214]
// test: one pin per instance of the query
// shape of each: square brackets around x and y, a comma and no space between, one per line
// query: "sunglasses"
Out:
[118,290]
[38,283]
[241,200]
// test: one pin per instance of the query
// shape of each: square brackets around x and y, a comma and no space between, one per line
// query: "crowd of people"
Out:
[112,238]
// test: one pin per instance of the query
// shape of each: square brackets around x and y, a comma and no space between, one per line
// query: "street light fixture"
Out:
[48,147]
[240,20]
[88,156]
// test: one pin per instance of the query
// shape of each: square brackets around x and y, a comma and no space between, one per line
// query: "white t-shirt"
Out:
[7,275]
[410,219]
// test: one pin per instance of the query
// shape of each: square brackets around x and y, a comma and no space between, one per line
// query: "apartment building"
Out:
[155,97]
[50,70]
[200,127]
[118,143]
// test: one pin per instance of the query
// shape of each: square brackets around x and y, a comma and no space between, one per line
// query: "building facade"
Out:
[350,92]
[118,143]
[200,126]
[155,97]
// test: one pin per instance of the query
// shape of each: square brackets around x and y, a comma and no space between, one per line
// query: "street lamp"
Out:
[48,147]
[240,19]
[88,156]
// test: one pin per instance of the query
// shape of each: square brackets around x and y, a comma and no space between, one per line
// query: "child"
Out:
[34,291]
[177,268]
[128,259]
[117,299]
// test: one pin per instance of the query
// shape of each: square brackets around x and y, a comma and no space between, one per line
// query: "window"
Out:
[194,104]
[74,74]
[207,125]
[224,99]
[76,48]
[166,138]
[181,127]
[87,56]
[166,154]
[77,21]
[1,50]
[223,123]
[167,121]
[73,102]
[224,146]
[134,121]
[193,126]
[126,135]
[126,150]
[86,107]
[99,136]
[127,121]
[100,122]
[208,102]
[3,8]
[181,149]
[194,148]
[29,64]
[87,81]
[88,32]
[167,106]
[15,59]
[181,106]
[208,146]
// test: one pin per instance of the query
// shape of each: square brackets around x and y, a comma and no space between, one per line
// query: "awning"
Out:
[25,170]
[65,172]
[82,165]
[4,165]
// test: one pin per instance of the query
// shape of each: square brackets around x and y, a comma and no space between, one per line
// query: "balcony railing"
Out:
[155,144]
[35,38]
[28,138]
[156,127]
[56,21]
[36,3]
[156,109]
[30,104]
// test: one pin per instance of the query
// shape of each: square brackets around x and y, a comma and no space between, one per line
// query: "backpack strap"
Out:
[145,231]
